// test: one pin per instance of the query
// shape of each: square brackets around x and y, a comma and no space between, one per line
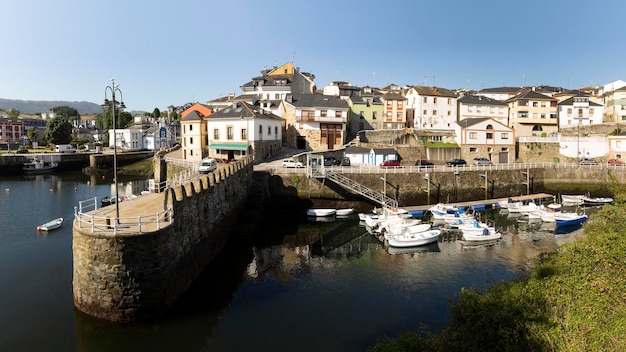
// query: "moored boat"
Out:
[587,200]
[51,225]
[320,212]
[38,165]
[413,239]
[568,219]
[572,199]
[344,212]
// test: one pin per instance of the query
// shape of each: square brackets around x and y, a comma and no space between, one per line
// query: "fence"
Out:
[105,223]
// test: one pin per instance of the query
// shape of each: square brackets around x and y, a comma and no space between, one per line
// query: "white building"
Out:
[434,108]
[485,138]
[475,106]
[579,110]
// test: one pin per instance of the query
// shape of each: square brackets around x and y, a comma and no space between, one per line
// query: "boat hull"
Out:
[51,225]
[413,240]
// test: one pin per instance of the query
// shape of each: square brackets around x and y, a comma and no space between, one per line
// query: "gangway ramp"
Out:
[357,188]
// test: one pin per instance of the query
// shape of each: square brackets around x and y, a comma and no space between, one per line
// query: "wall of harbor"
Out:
[132,276]
[413,188]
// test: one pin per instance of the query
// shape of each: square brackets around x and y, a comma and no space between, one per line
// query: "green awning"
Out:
[229,146]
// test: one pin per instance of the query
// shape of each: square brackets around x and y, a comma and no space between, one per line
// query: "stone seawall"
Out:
[127,277]
[448,186]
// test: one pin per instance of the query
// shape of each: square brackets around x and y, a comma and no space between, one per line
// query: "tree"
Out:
[105,120]
[156,113]
[32,134]
[69,112]
[58,130]
[14,113]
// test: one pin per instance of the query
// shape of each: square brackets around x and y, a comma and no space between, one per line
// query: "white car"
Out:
[292,163]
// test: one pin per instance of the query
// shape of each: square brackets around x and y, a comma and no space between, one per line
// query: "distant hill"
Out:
[37,106]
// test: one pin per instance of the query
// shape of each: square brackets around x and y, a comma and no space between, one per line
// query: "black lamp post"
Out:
[113,88]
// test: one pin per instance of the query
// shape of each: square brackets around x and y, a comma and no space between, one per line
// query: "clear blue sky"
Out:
[171,52]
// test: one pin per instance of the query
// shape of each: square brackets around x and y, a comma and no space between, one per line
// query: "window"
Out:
[580,112]
[489,135]
[535,104]
[338,113]
[269,130]
[434,112]
[490,150]
[277,96]
[190,140]
[449,113]
[472,149]
[323,113]
[449,101]
[190,128]
[374,115]
[229,133]
[505,149]
[389,104]
[216,134]
[569,111]
[590,111]
[425,100]
[260,132]
[424,112]
[434,100]
[399,115]
[522,114]
[399,104]
[389,114]
[504,136]
[362,115]
[308,115]
[244,134]
[473,135]
[367,103]
[276,130]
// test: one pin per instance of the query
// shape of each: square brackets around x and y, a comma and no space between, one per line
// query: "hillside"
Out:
[34,106]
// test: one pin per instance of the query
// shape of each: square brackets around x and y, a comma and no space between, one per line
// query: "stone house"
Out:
[486,138]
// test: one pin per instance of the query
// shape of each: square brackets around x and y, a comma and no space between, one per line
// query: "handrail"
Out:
[138,224]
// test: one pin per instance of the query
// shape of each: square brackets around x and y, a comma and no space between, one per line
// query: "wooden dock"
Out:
[492,202]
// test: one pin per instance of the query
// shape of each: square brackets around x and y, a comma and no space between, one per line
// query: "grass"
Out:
[573,300]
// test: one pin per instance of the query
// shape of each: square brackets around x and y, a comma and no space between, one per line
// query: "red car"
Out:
[390,163]
[614,162]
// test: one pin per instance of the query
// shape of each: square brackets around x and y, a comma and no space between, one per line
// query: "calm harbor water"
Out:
[306,285]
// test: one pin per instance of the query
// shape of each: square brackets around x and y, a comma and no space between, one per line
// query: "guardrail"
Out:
[106,224]
[373,169]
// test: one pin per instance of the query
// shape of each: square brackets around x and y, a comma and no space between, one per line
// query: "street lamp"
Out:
[113,88]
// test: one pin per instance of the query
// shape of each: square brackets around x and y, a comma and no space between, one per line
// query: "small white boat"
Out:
[400,229]
[39,165]
[321,212]
[483,234]
[570,199]
[51,225]
[439,210]
[385,223]
[587,200]
[413,239]
[519,207]
[344,212]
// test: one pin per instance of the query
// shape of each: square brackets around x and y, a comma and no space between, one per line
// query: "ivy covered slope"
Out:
[575,300]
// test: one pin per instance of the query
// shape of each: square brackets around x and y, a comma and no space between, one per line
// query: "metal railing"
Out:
[358,188]
[106,224]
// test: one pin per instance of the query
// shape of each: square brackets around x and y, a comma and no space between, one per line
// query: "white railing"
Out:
[107,224]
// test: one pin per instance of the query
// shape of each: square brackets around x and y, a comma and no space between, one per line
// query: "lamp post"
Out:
[113,88]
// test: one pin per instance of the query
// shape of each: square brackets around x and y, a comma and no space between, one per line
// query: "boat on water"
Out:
[51,225]
[440,210]
[39,165]
[568,219]
[588,200]
[321,212]
[402,229]
[413,239]
[479,231]
[572,199]
[344,212]
[519,207]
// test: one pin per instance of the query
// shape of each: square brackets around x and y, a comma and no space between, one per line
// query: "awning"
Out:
[229,146]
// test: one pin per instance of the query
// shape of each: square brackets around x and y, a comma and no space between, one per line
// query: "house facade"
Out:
[579,110]
[194,136]
[315,121]
[394,111]
[434,108]
[366,113]
[241,130]
[533,114]
[617,146]
[615,105]
[486,138]
[12,131]
[476,106]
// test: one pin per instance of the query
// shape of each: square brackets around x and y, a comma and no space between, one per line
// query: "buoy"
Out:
[104,177]
[51,189]
[75,189]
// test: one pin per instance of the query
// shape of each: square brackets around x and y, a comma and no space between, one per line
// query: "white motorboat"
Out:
[38,165]
[385,223]
[570,199]
[519,207]
[51,225]
[344,212]
[320,212]
[588,200]
[400,229]
[439,210]
[413,239]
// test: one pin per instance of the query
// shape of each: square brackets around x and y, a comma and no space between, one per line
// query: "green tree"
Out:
[32,134]
[58,130]
[105,119]
[156,113]
[14,113]
[69,112]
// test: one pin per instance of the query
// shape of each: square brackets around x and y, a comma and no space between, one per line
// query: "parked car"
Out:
[456,162]
[615,162]
[292,163]
[390,163]
[482,161]
[587,161]
[345,161]
[22,151]
[330,161]
[207,165]
[424,163]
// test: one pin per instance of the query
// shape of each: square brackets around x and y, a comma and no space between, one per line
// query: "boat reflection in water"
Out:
[427,248]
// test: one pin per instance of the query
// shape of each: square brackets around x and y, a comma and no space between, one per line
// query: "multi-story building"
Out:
[615,105]
[12,131]
[394,111]
[476,106]
[193,125]
[242,129]
[366,113]
[433,108]
[578,110]
[533,114]
[485,138]
[315,121]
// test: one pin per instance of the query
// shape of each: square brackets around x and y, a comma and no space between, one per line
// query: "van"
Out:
[207,165]
[65,148]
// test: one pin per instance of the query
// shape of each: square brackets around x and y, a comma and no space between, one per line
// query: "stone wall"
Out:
[127,277]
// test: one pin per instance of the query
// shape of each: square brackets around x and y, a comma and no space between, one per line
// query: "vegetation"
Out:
[105,119]
[573,301]
[58,130]
[441,145]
